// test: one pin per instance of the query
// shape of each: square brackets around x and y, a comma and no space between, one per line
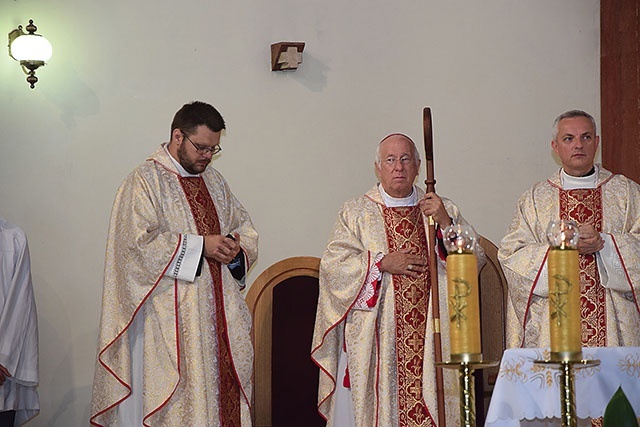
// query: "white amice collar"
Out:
[573,182]
[394,202]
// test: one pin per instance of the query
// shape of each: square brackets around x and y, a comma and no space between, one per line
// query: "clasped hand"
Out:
[590,240]
[221,248]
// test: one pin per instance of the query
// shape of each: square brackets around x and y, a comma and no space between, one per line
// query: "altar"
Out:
[527,394]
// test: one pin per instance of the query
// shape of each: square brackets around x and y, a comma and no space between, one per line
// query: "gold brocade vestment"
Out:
[611,313]
[376,381]
[185,325]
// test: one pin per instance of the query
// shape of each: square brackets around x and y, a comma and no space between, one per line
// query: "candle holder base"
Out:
[466,369]
[559,363]
[466,357]
[473,365]
[570,356]
[567,389]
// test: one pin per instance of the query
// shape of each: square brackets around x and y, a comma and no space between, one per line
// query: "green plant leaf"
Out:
[619,412]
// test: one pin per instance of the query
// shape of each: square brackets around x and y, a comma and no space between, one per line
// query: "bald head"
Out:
[397,164]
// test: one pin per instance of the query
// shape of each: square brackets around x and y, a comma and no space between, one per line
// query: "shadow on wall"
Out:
[71,96]
[57,352]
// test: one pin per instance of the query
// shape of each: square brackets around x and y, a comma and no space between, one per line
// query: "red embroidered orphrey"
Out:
[583,206]
[405,230]
[207,222]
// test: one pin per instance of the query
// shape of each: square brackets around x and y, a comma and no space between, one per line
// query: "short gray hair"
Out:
[569,115]
[416,153]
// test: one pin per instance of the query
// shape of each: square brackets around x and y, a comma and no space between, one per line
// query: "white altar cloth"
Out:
[528,394]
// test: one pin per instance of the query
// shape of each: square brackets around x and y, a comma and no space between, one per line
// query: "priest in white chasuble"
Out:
[174,346]
[373,338]
[606,208]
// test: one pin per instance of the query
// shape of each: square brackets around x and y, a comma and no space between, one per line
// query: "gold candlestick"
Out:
[462,289]
[564,313]
[568,416]
[464,315]
[467,388]
[564,304]
[464,307]
[564,291]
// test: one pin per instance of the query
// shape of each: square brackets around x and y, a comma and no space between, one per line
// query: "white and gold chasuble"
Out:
[190,354]
[609,280]
[390,344]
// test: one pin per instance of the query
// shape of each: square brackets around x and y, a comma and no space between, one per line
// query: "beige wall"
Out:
[495,74]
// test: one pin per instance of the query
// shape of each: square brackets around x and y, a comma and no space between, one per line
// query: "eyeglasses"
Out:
[391,161]
[202,150]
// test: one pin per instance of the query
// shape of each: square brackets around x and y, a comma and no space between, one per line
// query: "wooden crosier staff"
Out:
[430,183]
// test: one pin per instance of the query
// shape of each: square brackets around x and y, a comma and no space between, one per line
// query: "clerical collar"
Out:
[394,202]
[574,182]
[182,171]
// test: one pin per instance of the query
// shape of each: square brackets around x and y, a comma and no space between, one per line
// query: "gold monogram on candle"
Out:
[564,291]
[462,291]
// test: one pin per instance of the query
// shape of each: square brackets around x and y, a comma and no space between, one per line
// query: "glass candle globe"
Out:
[563,234]
[459,238]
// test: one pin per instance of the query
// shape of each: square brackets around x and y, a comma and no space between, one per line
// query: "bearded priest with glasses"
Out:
[174,346]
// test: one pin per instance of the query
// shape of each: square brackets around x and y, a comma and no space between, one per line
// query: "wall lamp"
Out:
[30,49]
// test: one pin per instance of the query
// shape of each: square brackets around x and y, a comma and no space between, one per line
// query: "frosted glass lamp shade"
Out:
[31,48]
